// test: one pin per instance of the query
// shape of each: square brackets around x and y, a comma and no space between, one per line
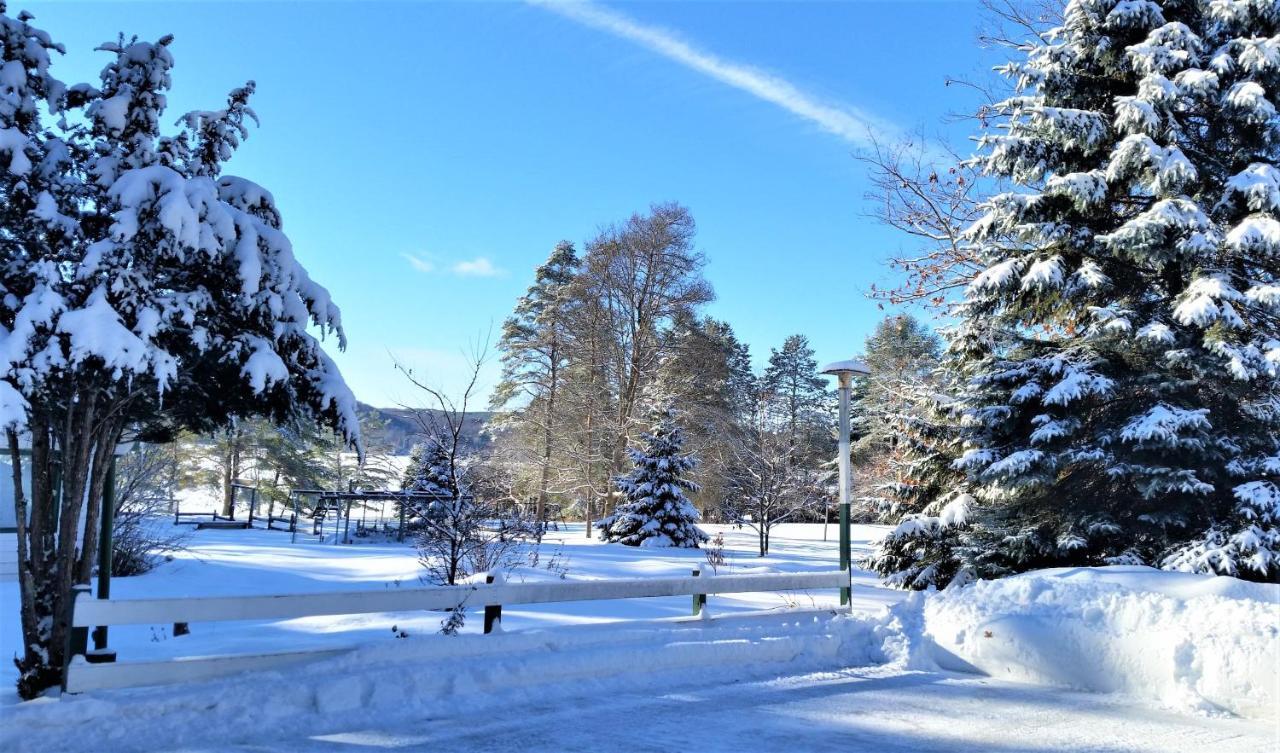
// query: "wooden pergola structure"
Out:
[342,502]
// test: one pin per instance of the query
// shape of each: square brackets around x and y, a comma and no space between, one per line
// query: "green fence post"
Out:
[77,637]
[100,651]
[492,612]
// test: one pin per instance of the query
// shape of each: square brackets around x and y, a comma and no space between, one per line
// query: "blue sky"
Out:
[427,156]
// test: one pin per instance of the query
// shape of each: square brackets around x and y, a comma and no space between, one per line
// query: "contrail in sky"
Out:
[849,123]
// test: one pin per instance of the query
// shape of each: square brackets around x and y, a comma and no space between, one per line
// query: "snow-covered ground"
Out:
[233,562]
[1174,662]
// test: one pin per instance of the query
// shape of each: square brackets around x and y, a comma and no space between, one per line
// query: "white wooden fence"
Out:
[8,557]
[89,612]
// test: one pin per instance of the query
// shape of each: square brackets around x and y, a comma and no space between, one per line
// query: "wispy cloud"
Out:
[419,263]
[481,266]
[847,122]
[477,267]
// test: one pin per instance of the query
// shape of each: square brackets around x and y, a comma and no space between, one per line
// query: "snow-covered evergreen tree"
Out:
[143,290]
[1119,355]
[655,511]
[430,471]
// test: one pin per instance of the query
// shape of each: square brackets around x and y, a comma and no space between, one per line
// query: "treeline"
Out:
[612,332]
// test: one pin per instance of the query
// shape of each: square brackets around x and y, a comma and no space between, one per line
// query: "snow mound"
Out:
[1198,642]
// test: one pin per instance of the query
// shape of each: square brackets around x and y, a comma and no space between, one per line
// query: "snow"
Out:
[222,563]
[1163,424]
[1258,185]
[1205,302]
[1251,98]
[1186,641]
[112,113]
[1259,55]
[1091,275]
[1175,655]
[1156,332]
[14,143]
[1075,384]
[1083,188]
[1195,81]
[1133,13]
[13,407]
[852,365]
[996,276]
[1256,233]
[1044,274]
[264,367]
[97,331]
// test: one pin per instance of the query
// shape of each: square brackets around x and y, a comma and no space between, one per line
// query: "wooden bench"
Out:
[216,524]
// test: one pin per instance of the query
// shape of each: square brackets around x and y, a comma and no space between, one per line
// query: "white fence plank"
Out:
[90,612]
[83,676]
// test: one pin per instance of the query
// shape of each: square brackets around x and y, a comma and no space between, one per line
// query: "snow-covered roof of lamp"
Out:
[851,366]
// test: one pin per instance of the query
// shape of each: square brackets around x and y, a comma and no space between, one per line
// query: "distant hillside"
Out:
[402,428]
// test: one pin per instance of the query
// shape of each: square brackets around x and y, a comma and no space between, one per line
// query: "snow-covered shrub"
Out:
[141,531]
[655,510]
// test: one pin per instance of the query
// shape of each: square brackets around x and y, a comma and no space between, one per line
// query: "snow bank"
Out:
[422,677]
[1188,641]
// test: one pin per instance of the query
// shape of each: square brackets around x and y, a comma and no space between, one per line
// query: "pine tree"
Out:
[655,511]
[902,355]
[535,349]
[429,472]
[798,397]
[708,374]
[1119,354]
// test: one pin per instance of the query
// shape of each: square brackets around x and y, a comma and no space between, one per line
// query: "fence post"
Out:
[77,637]
[699,600]
[492,612]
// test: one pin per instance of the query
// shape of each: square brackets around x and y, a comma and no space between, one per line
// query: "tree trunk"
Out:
[65,482]
[230,472]
[26,565]
[541,511]
[99,461]
[77,447]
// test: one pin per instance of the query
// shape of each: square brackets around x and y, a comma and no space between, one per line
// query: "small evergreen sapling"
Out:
[428,472]
[656,512]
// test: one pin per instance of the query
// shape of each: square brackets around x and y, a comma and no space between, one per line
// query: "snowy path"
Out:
[866,709]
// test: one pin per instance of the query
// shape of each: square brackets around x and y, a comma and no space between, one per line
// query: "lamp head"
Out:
[849,368]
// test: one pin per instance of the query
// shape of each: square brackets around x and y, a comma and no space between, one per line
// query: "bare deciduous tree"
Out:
[461,533]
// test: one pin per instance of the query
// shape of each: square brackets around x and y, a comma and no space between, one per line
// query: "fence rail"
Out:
[90,612]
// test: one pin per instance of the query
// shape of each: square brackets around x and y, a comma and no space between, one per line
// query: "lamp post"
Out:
[844,371]
[102,654]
